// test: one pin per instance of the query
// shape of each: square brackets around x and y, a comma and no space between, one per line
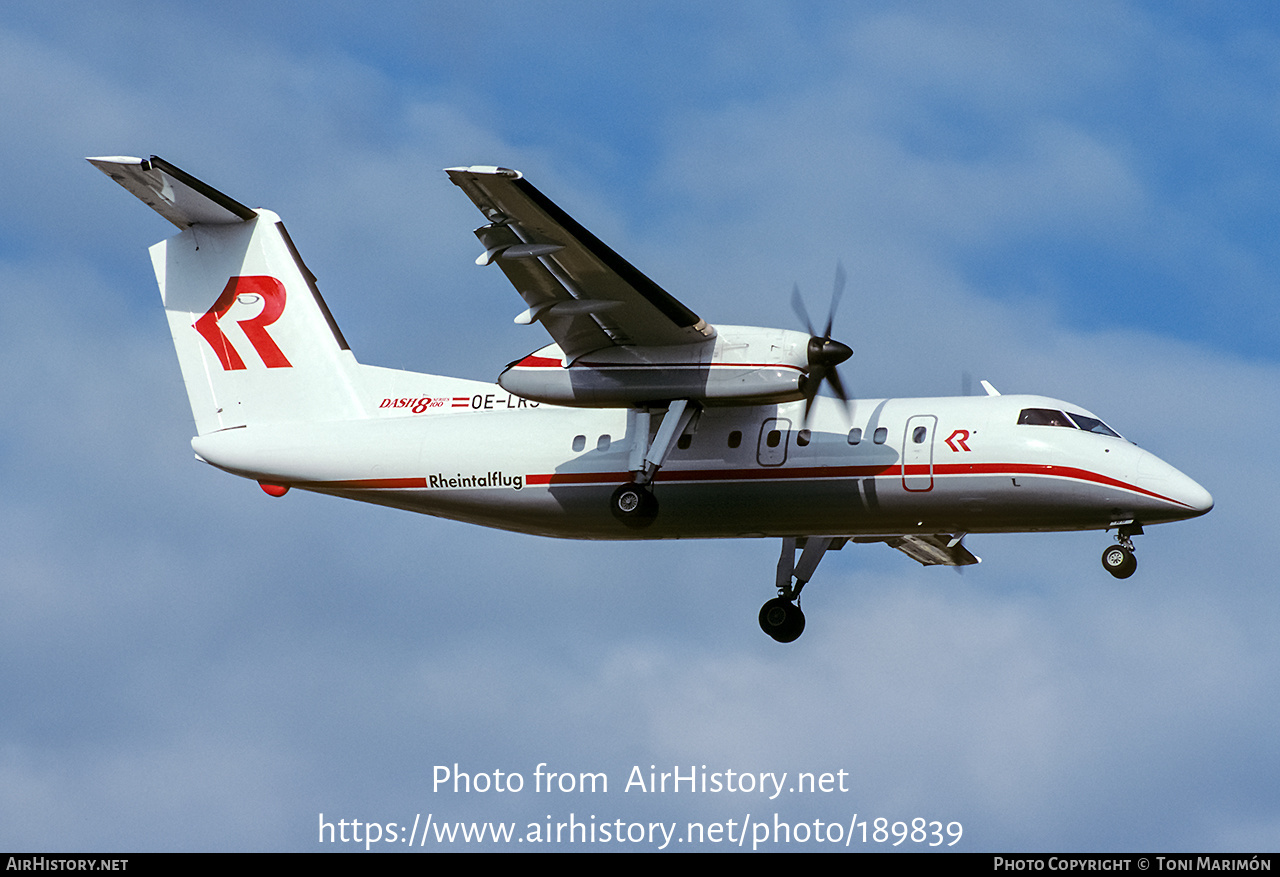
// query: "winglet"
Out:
[172,192]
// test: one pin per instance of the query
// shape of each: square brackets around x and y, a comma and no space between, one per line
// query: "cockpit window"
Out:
[1093,424]
[1052,417]
[1044,417]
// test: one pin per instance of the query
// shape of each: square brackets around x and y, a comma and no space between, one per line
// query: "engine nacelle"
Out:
[741,365]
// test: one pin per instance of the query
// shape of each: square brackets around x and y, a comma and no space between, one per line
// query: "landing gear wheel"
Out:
[634,505]
[1119,561]
[782,620]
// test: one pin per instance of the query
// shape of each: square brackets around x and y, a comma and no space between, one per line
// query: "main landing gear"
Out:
[782,617]
[633,503]
[1118,559]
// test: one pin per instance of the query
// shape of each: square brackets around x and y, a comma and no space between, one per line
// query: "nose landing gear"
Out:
[1119,559]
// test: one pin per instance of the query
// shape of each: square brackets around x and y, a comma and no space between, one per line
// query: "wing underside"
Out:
[586,295]
[940,549]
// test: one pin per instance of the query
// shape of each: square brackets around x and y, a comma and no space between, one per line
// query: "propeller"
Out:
[824,354]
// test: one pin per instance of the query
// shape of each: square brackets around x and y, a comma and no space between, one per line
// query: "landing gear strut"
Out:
[1119,559]
[782,617]
[633,503]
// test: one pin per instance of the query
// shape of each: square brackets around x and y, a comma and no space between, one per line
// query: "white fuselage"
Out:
[640,421]
[476,453]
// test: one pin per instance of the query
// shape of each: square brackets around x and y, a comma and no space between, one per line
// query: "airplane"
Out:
[640,421]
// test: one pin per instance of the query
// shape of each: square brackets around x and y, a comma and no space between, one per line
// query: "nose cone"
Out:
[1194,496]
[1188,498]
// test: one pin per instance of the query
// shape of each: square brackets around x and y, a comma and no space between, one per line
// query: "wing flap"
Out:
[551,259]
[542,292]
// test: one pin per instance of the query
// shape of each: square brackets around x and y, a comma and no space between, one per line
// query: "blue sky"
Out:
[1073,200]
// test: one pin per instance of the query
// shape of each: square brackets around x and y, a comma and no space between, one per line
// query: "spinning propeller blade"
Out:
[824,354]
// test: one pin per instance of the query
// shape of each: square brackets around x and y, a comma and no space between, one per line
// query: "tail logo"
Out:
[247,289]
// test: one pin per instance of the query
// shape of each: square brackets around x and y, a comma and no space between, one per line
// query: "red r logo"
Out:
[271,291]
[959,437]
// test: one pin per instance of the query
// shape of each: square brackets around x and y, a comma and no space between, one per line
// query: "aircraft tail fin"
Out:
[255,340]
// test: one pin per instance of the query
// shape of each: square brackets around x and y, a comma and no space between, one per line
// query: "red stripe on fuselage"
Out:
[366,484]
[550,362]
[800,473]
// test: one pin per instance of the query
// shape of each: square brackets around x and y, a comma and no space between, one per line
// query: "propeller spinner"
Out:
[824,353]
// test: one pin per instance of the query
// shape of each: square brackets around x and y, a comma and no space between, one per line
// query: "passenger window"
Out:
[602,443]
[579,442]
[735,438]
[802,437]
[880,435]
[855,435]
[684,442]
[918,434]
[773,438]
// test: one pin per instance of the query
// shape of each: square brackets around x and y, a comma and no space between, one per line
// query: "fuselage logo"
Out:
[246,290]
[416,405]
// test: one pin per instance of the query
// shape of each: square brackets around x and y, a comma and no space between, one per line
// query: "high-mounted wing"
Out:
[585,294]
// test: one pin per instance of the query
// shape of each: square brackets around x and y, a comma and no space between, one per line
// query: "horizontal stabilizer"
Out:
[255,341]
[172,192]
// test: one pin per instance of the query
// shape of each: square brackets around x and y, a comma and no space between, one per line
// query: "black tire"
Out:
[782,620]
[1119,561]
[634,505]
